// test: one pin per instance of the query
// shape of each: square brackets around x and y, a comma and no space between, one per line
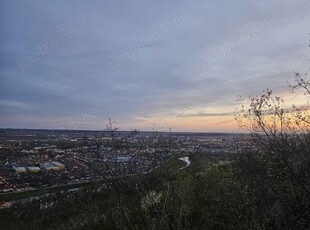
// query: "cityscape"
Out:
[34,159]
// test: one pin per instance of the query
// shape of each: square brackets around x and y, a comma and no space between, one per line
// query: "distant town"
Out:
[36,159]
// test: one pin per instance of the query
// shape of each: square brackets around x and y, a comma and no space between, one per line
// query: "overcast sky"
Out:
[146,64]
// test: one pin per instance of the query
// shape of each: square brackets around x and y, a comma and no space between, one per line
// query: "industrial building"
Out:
[49,166]
[20,169]
[52,165]
[33,169]
[59,165]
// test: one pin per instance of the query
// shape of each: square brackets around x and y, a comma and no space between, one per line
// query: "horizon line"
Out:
[93,130]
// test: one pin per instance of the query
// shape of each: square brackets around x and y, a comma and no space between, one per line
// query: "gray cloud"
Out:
[56,58]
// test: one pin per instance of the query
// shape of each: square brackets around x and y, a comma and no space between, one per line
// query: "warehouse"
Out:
[59,165]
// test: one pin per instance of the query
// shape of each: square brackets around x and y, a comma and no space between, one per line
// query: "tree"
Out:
[281,134]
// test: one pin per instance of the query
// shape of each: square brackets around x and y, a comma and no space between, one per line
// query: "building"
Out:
[20,169]
[33,169]
[59,165]
[49,166]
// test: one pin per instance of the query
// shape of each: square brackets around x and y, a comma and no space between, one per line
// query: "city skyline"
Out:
[159,65]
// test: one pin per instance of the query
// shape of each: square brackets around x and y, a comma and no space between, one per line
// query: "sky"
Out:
[148,65]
